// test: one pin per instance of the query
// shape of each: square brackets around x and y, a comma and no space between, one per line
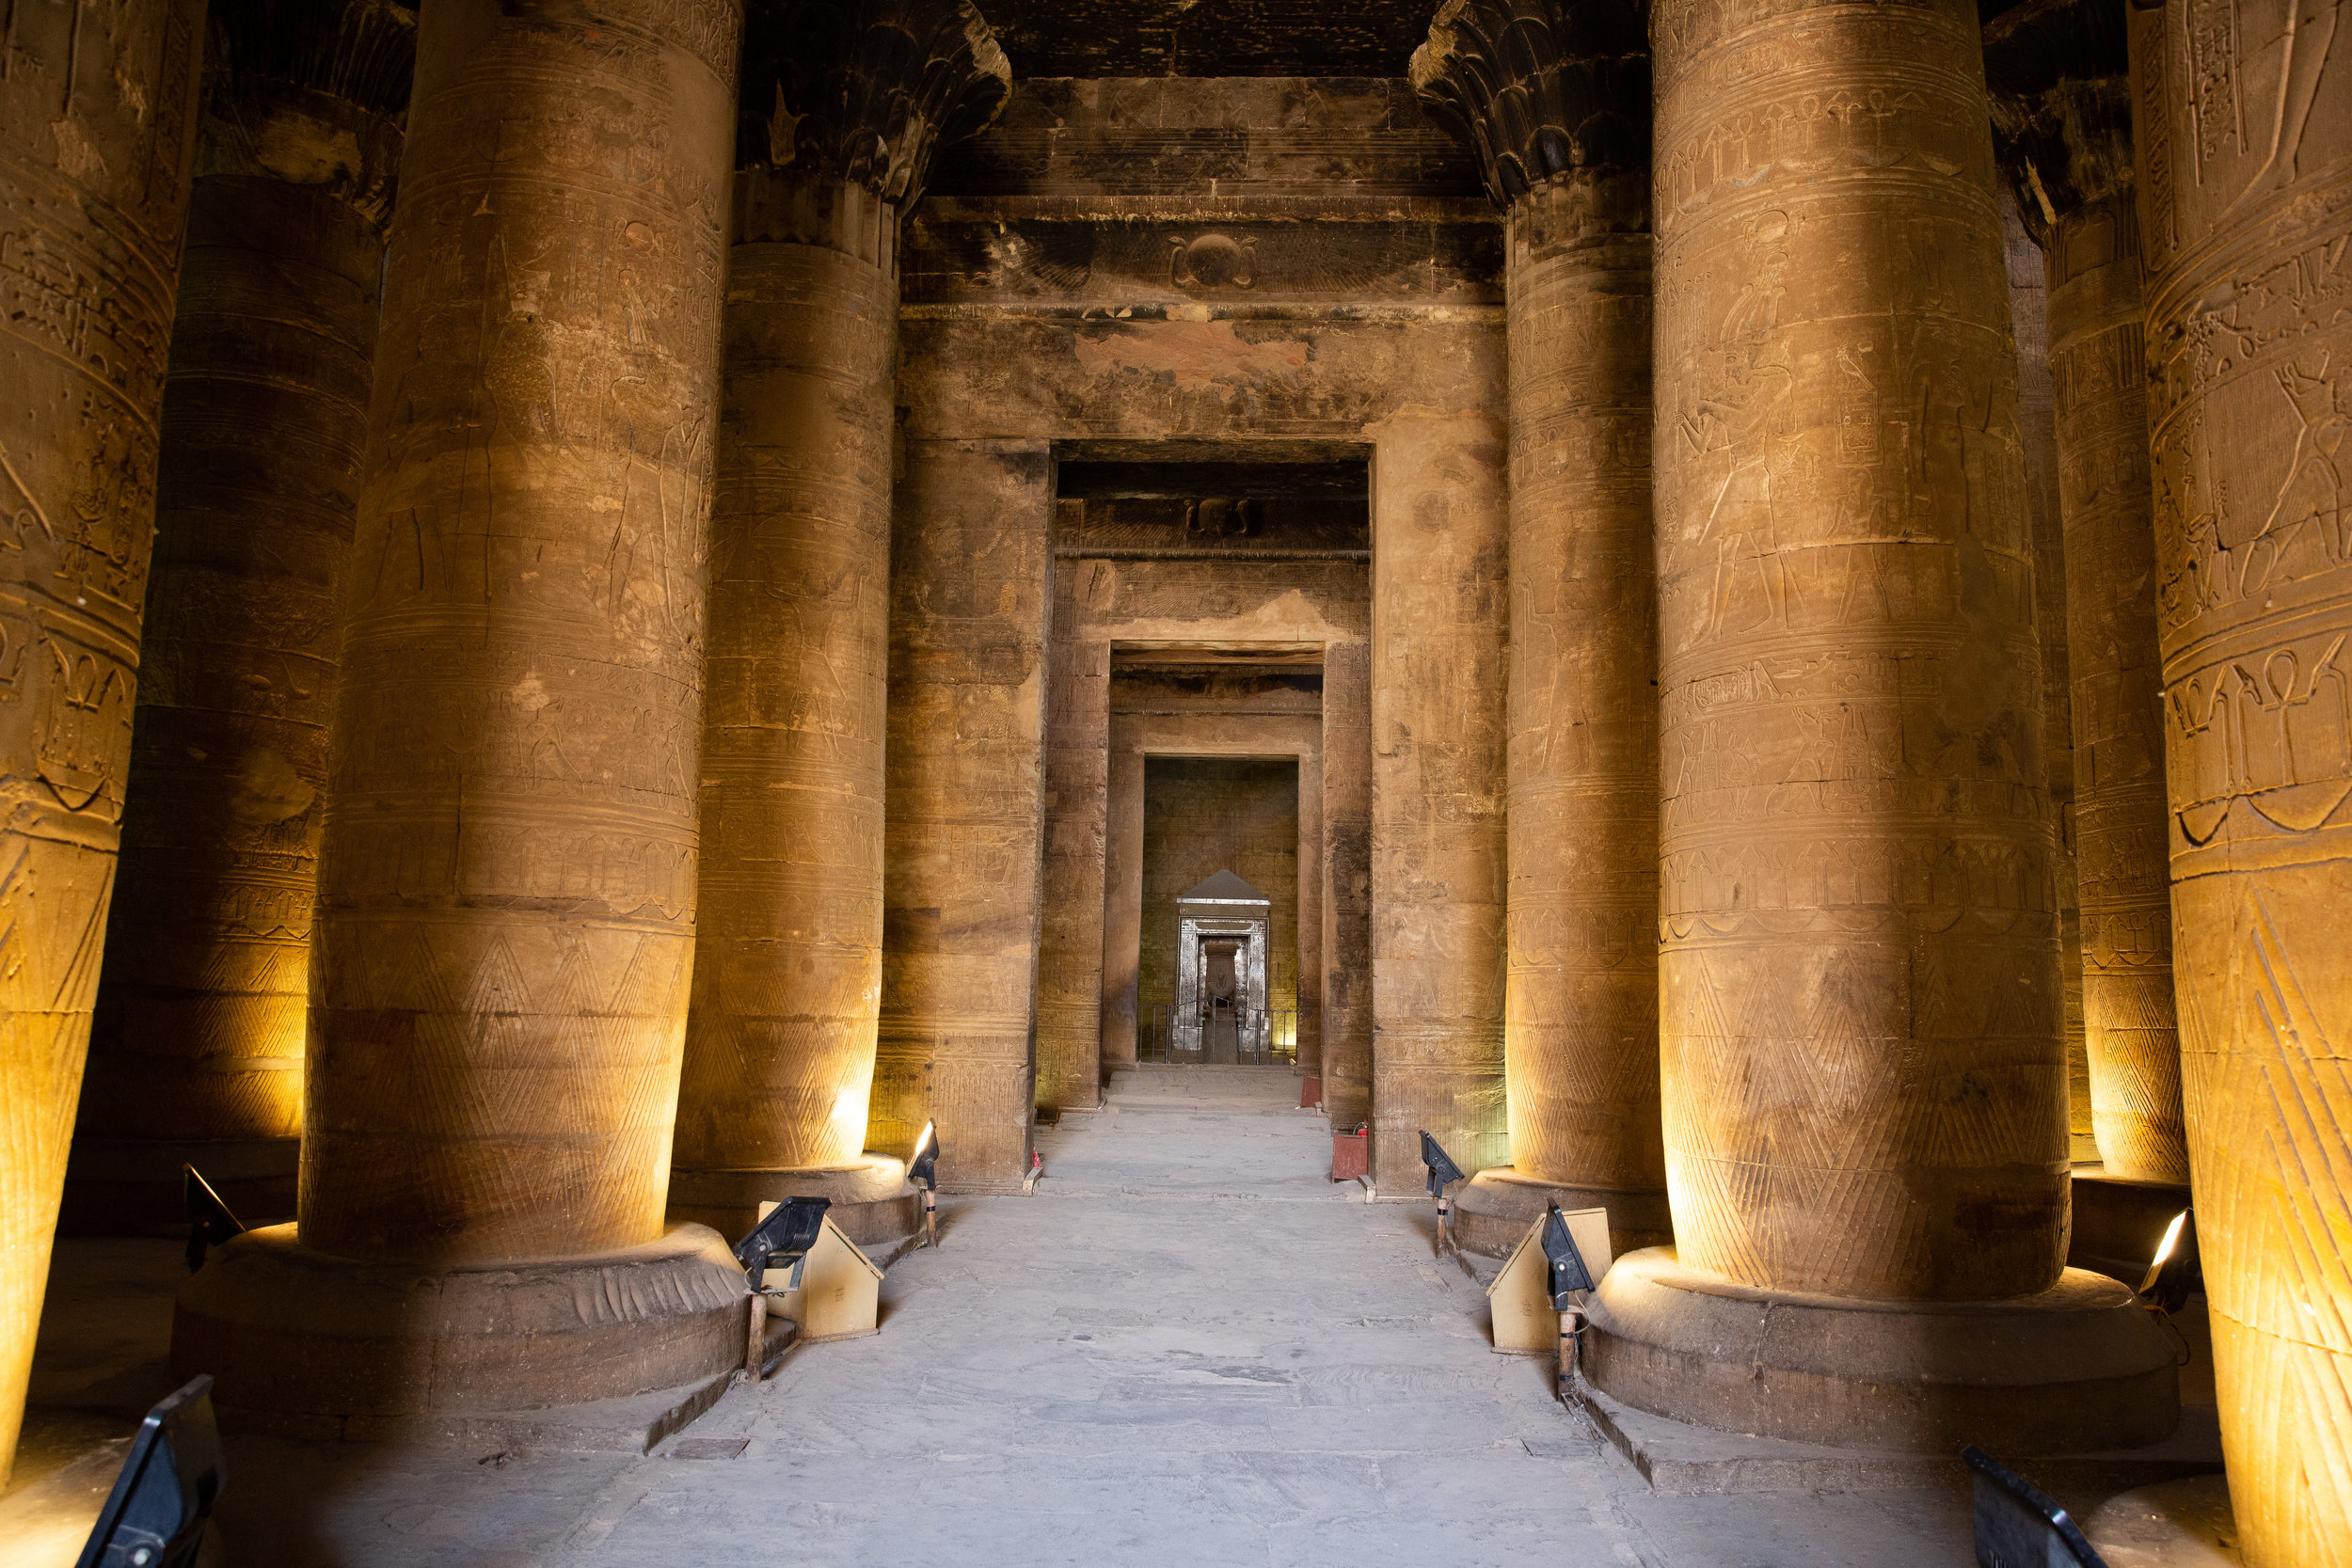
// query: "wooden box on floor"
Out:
[1519,1299]
[833,1292]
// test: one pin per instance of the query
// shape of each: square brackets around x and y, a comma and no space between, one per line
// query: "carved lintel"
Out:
[862,92]
[1543,91]
[310,92]
[2059,76]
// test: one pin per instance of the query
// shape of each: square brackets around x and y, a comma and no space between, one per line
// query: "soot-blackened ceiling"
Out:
[1209,37]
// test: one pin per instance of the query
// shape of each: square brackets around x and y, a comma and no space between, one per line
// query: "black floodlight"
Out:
[209,1223]
[923,1167]
[2017,1523]
[1568,1273]
[1443,1172]
[2172,1272]
[787,1232]
[163,1496]
[923,1170]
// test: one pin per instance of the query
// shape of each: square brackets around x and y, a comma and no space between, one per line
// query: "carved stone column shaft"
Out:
[787,985]
[1559,114]
[196,1050]
[2244,123]
[2063,119]
[1862,1072]
[97,125]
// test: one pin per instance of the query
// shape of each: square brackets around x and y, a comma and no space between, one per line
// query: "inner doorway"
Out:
[1218,976]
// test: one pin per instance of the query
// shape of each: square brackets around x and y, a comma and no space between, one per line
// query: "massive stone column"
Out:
[1348,885]
[1559,114]
[1439,561]
[97,126]
[1077,790]
[1861,1074]
[2244,123]
[196,1051]
[506,902]
[844,101]
[2037,429]
[971,581]
[2064,123]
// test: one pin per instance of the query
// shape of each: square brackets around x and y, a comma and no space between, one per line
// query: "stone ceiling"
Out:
[1209,37]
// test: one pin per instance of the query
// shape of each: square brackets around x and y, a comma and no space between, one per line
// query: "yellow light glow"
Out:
[2171,1239]
[848,1106]
[922,1142]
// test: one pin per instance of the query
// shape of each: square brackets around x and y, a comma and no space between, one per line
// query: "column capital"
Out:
[865,92]
[1540,92]
[2058,73]
[310,92]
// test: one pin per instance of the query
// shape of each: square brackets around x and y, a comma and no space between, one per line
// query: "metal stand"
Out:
[1445,1227]
[1571,1343]
[930,1217]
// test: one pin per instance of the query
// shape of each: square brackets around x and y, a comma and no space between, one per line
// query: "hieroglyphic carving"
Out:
[1862,1072]
[1559,113]
[90,208]
[507,868]
[200,1024]
[780,1052]
[2246,204]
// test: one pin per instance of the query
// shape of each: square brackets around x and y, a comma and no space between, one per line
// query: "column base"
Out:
[131,1186]
[1494,1208]
[304,1341]
[2079,1367]
[873,1202]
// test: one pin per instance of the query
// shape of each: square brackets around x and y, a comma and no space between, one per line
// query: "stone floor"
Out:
[1188,1347]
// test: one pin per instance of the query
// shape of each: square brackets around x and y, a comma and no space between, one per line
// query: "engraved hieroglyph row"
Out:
[1862,1072]
[1440,544]
[97,122]
[506,911]
[971,572]
[200,1024]
[2244,121]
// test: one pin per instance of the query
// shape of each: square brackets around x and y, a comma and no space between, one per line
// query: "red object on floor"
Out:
[1310,1093]
[1351,1155]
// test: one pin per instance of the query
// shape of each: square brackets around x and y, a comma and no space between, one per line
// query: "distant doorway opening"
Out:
[1219,961]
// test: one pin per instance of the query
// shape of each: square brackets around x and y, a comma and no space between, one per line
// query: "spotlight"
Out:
[2017,1523]
[785,1236]
[923,1170]
[209,1223]
[2173,1272]
[1571,1280]
[1443,1172]
[163,1496]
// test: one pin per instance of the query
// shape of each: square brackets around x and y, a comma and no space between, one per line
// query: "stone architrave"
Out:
[1862,1073]
[98,110]
[506,906]
[2243,119]
[845,102]
[1558,111]
[2065,137]
[196,1051]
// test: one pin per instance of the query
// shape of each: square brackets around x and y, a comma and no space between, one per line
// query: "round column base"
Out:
[290,1332]
[873,1202]
[2079,1367]
[1493,1210]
